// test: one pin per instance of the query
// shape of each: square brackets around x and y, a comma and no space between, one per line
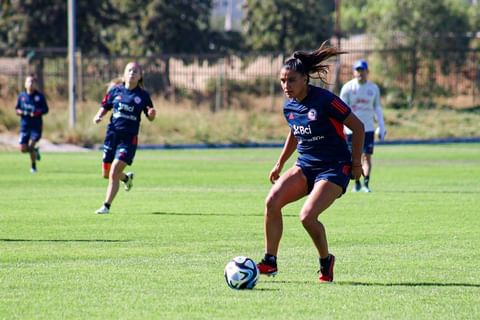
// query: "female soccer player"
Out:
[31,106]
[128,101]
[363,97]
[324,165]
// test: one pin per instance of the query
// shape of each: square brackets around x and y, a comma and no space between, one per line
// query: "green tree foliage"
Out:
[157,27]
[285,25]
[43,24]
[434,32]
[353,16]
[25,24]
[421,34]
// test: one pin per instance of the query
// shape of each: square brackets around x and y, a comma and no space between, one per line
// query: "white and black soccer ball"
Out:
[241,273]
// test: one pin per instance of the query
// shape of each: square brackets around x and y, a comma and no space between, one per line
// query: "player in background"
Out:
[324,165]
[31,106]
[363,97]
[127,100]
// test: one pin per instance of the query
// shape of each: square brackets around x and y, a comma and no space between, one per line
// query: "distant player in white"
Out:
[363,97]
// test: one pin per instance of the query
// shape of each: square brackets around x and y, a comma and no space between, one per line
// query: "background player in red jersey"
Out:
[31,106]
[127,100]
[324,166]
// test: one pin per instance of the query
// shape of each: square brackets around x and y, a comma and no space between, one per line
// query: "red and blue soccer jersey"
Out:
[127,106]
[31,107]
[317,124]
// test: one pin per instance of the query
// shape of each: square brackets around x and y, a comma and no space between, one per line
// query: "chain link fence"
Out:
[219,78]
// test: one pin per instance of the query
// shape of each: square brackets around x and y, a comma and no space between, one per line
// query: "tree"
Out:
[43,24]
[285,25]
[431,31]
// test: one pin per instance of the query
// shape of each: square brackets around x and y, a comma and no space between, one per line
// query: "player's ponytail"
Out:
[308,63]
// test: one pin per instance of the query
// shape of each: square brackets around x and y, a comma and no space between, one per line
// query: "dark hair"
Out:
[308,63]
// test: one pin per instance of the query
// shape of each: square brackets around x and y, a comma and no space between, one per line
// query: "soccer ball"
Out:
[241,273]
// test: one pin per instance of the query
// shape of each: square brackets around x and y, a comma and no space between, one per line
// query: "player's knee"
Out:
[272,202]
[308,219]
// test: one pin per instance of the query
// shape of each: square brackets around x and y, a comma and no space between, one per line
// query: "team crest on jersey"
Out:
[312,114]
[137,100]
[36,98]
[291,116]
[118,98]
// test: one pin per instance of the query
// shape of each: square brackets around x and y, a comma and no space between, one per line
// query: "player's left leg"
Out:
[33,154]
[367,159]
[116,174]
[324,193]
[367,168]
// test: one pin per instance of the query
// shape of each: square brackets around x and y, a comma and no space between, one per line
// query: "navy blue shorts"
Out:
[119,146]
[28,133]
[367,145]
[335,172]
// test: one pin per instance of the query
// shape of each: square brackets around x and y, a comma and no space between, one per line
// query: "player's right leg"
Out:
[291,186]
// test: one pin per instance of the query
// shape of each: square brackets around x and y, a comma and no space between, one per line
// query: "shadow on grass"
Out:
[379,284]
[430,191]
[214,214]
[61,240]
[408,284]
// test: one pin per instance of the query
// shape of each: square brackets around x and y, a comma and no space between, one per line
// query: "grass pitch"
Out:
[408,250]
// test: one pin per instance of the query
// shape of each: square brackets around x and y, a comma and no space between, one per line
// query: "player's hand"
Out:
[97,119]
[357,172]
[381,134]
[275,173]
[151,113]
[19,112]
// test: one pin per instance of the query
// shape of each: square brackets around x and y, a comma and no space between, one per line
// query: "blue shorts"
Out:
[119,146]
[367,145]
[28,133]
[336,172]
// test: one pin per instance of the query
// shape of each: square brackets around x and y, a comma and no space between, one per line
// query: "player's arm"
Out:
[379,114]
[151,113]
[18,108]
[43,109]
[288,148]
[358,136]
[150,110]
[99,116]
[106,105]
[44,106]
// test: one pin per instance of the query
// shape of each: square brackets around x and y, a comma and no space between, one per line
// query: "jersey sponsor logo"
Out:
[312,114]
[362,101]
[117,115]
[301,130]
[137,100]
[28,107]
[123,106]
[312,139]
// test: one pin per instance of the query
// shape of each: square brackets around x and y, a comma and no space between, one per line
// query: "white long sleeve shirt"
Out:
[364,100]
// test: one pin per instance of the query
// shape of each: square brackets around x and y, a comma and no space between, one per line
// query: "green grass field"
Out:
[408,250]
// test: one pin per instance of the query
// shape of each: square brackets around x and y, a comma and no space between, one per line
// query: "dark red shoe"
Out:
[327,276]
[267,269]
